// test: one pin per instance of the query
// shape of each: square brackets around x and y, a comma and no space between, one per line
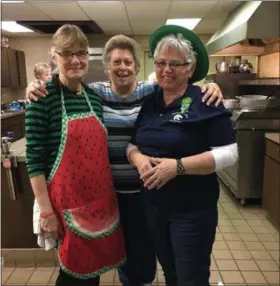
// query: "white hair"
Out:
[180,43]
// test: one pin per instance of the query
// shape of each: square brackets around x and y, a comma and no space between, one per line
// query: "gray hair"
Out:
[180,43]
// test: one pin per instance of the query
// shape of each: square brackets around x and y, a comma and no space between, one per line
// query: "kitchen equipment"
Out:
[246,67]
[22,104]
[245,178]
[254,102]
[13,106]
[222,66]
[234,66]
[231,104]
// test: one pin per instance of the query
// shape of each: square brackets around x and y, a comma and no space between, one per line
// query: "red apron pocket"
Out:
[92,221]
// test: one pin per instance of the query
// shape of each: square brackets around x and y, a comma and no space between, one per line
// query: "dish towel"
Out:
[43,240]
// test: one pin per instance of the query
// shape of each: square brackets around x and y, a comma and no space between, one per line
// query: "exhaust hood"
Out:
[247,29]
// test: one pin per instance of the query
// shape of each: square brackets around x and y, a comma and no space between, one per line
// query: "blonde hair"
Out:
[67,36]
[39,68]
[124,43]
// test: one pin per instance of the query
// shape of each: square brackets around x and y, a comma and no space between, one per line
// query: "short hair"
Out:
[180,43]
[124,43]
[39,68]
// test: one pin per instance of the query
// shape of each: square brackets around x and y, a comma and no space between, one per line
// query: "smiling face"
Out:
[72,67]
[174,76]
[45,75]
[121,68]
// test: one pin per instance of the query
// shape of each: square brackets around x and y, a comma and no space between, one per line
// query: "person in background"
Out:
[186,142]
[42,71]
[122,99]
[68,166]
[152,78]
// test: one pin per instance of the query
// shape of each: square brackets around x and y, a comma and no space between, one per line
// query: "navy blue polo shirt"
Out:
[186,127]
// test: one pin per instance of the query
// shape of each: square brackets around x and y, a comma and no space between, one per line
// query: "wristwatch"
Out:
[180,167]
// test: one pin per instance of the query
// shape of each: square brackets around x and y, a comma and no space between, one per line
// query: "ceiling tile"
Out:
[152,10]
[62,10]
[114,27]
[22,11]
[104,10]
[145,27]
[190,9]
[225,6]
[209,25]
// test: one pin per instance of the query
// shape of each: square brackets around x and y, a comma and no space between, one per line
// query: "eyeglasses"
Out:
[172,64]
[67,55]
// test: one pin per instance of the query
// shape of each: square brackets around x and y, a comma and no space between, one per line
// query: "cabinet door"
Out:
[13,67]
[21,69]
[271,190]
[5,72]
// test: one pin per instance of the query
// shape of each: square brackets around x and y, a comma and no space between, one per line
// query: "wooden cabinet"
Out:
[13,73]
[271,183]
[14,124]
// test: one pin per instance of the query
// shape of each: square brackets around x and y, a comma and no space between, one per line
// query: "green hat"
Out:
[202,58]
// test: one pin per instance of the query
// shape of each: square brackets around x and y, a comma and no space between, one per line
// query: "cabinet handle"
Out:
[12,188]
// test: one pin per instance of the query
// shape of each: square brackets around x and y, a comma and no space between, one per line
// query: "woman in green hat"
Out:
[187,142]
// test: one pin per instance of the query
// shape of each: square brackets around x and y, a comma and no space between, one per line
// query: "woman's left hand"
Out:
[163,171]
[213,93]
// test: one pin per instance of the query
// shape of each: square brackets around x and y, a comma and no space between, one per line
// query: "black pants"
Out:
[140,266]
[64,279]
[183,243]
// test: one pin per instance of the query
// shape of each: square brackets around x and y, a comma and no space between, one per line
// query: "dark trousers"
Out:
[65,279]
[140,266]
[183,243]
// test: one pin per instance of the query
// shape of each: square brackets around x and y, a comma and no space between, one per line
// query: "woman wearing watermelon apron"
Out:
[67,143]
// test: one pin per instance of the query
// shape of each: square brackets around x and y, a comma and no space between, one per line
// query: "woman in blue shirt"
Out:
[178,146]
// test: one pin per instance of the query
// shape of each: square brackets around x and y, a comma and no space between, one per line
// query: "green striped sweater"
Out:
[43,122]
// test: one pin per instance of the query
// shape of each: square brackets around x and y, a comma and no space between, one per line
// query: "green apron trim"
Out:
[90,235]
[93,274]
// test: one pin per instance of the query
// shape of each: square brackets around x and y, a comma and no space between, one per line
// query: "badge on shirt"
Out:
[179,116]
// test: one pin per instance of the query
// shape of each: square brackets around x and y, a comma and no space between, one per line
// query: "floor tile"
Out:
[41,277]
[226,264]
[249,237]
[267,265]
[108,277]
[227,229]
[249,265]
[260,229]
[215,277]
[213,265]
[231,236]
[19,276]
[241,254]
[220,245]
[239,222]
[6,273]
[222,254]
[219,236]
[260,255]
[161,277]
[266,237]
[225,222]
[272,277]
[243,229]
[276,237]
[274,254]
[269,245]
[232,277]
[254,277]
[236,245]
[254,222]
[54,277]
[254,245]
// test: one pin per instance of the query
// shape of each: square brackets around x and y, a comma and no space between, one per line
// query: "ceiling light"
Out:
[188,23]
[12,26]
[11,2]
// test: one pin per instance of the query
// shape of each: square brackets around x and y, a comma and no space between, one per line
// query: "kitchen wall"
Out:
[36,50]
[269,65]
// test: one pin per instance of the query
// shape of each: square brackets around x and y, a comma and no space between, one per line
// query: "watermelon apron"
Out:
[81,191]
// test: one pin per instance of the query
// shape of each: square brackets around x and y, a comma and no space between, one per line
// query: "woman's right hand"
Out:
[143,164]
[35,89]
[51,225]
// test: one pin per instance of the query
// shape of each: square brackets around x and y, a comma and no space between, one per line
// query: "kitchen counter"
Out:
[18,149]
[9,114]
[275,137]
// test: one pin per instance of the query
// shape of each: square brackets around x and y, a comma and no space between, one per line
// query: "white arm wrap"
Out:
[225,156]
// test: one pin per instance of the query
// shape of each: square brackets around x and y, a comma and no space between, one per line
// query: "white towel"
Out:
[43,240]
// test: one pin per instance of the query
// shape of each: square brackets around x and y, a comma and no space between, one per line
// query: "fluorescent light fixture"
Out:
[188,23]
[12,26]
[11,2]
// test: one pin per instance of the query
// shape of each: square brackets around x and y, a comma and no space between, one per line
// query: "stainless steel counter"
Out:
[18,150]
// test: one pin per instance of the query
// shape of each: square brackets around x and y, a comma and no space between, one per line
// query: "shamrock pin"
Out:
[185,104]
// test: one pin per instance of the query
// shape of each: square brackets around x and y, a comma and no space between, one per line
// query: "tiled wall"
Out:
[269,65]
